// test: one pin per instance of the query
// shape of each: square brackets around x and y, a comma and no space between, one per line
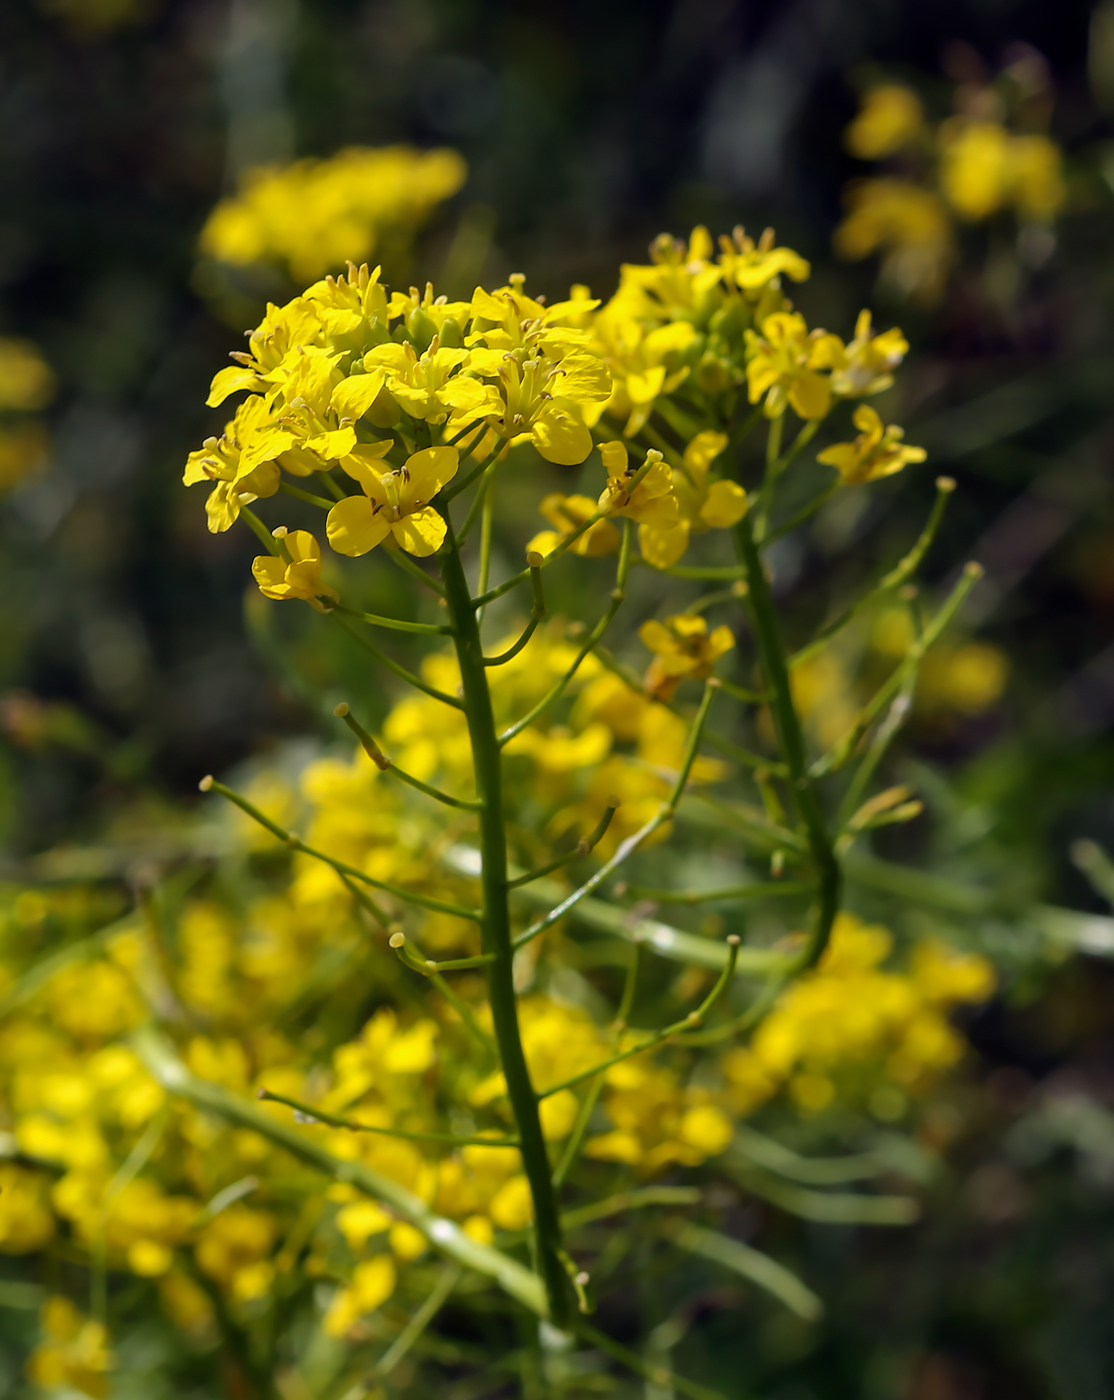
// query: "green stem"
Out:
[581,849]
[445,1235]
[791,741]
[299,494]
[313,1114]
[497,930]
[763,889]
[902,570]
[396,624]
[400,671]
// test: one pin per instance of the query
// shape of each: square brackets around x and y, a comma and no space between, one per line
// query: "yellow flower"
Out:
[783,366]
[26,1220]
[26,381]
[866,364]
[702,504]
[682,647]
[891,118]
[373,1282]
[974,167]
[233,1249]
[394,503]
[875,453]
[1036,178]
[74,1353]
[568,513]
[241,463]
[297,574]
[751,266]
[909,225]
[651,502]
[315,214]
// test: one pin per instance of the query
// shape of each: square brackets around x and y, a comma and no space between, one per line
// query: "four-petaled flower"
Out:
[702,504]
[783,365]
[876,452]
[394,503]
[644,495]
[569,513]
[296,573]
[682,646]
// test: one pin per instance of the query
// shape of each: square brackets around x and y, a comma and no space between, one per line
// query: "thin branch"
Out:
[395,624]
[295,843]
[400,671]
[581,849]
[385,765]
[311,1114]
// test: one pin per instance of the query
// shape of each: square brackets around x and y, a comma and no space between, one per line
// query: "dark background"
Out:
[588,129]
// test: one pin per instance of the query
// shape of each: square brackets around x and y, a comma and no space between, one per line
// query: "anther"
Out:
[206,782]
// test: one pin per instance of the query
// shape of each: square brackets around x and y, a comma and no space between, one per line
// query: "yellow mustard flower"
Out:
[784,366]
[74,1352]
[876,452]
[233,1250]
[27,382]
[652,501]
[568,513]
[296,574]
[394,503]
[26,1220]
[909,225]
[315,214]
[683,648]
[867,362]
[702,504]
[891,117]
[241,463]
[750,266]
[373,1282]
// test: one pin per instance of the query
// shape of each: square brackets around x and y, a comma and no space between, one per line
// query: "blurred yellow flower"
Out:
[876,452]
[73,1354]
[683,647]
[891,117]
[313,215]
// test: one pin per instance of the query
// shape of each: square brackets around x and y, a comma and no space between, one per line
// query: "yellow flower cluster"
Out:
[312,216]
[856,1030]
[967,168]
[27,385]
[351,376]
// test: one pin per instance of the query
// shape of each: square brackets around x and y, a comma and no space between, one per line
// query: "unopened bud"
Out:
[341,710]
[733,940]
[206,782]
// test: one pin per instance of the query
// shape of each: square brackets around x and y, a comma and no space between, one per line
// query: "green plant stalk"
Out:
[445,1235]
[791,742]
[496,928]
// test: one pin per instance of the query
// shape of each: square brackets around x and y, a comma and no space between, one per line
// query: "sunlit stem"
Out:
[411,958]
[760,889]
[581,849]
[310,1114]
[838,756]
[400,671]
[902,571]
[883,737]
[449,1279]
[791,742]
[482,492]
[402,560]
[534,562]
[395,624]
[266,539]
[770,475]
[618,593]
[693,1021]
[295,843]
[384,764]
[496,927]
[628,847]
[487,525]
[299,494]
[591,1098]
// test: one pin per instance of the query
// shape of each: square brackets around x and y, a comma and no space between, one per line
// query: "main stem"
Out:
[497,931]
[829,877]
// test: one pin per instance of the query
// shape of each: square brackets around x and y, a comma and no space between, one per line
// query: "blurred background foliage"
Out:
[130,662]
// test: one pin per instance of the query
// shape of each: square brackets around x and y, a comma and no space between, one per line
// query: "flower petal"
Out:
[561,438]
[428,470]
[354,526]
[725,505]
[661,548]
[420,533]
